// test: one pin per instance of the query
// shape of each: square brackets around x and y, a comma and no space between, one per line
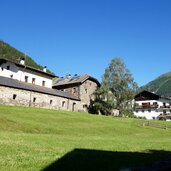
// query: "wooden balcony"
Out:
[165,107]
[153,106]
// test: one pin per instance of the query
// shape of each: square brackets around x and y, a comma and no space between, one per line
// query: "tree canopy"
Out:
[117,89]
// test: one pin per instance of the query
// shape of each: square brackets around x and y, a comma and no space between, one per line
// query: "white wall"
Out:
[15,73]
[7,73]
[148,115]
[154,113]
[38,79]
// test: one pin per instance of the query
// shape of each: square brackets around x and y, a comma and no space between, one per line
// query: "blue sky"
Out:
[82,36]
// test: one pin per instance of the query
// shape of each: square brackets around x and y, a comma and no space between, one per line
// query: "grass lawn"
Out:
[40,139]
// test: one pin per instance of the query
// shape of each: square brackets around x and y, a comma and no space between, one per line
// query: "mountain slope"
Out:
[160,85]
[8,52]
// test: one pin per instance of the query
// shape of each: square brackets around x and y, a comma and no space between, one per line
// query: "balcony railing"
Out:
[165,106]
[153,106]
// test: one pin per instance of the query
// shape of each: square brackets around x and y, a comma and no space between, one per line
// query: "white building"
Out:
[152,106]
[21,72]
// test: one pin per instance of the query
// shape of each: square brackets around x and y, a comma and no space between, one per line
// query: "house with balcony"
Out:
[152,106]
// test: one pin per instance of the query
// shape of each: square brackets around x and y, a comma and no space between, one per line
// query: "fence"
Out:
[153,124]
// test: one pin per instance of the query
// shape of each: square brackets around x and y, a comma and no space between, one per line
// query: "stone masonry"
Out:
[18,97]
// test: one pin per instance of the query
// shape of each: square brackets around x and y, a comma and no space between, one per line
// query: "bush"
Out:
[128,113]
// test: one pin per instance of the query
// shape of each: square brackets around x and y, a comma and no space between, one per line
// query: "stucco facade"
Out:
[25,74]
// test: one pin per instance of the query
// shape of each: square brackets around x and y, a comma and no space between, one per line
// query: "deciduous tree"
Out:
[117,89]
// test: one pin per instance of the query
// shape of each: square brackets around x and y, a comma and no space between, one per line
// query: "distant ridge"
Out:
[9,52]
[161,85]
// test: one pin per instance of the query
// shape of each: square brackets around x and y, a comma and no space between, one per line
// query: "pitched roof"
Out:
[77,79]
[2,60]
[146,95]
[9,82]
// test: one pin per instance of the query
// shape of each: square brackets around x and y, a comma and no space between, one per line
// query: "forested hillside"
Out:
[9,52]
[160,85]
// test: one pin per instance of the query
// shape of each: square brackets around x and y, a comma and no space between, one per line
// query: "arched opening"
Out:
[73,106]
[63,104]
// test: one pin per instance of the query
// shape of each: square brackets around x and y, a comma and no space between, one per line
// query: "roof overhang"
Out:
[3,60]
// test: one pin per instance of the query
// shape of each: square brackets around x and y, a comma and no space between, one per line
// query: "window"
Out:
[63,103]
[2,68]
[34,99]
[85,106]
[51,101]
[26,79]
[43,83]
[74,90]
[14,96]
[8,67]
[86,91]
[73,106]
[11,76]
[33,80]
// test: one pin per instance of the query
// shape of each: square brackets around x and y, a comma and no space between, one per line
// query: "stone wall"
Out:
[86,91]
[83,91]
[18,97]
[72,90]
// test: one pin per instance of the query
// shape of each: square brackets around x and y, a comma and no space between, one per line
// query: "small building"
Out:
[81,86]
[152,106]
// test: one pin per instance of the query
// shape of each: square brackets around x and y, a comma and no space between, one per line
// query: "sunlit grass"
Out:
[33,138]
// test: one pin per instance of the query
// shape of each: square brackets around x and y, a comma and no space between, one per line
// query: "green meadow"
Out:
[40,139]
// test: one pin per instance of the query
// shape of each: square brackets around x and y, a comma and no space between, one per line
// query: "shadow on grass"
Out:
[92,160]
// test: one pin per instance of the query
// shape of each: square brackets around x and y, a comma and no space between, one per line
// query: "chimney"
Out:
[68,76]
[45,69]
[22,61]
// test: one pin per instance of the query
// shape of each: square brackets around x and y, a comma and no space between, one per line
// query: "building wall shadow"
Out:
[92,160]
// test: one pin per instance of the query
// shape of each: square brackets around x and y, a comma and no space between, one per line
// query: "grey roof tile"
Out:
[9,82]
[78,79]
